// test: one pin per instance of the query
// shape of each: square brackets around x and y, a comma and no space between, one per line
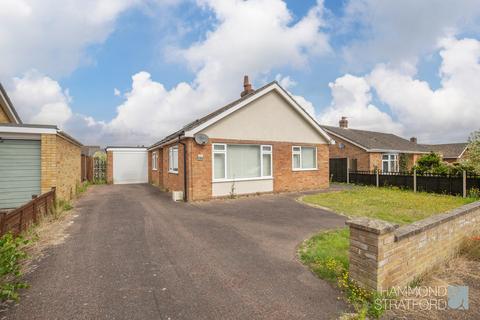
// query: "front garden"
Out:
[326,253]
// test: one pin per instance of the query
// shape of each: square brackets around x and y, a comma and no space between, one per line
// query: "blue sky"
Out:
[387,66]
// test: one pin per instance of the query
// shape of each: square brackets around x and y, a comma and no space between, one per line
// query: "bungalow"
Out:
[369,150]
[450,152]
[263,142]
[34,158]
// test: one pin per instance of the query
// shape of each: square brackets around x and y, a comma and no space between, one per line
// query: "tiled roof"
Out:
[372,140]
[448,150]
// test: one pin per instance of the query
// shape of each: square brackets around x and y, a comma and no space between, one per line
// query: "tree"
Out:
[473,151]
[431,163]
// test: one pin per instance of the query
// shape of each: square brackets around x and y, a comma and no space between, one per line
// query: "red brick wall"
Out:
[350,151]
[285,179]
[154,175]
[199,169]
[172,181]
[109,167]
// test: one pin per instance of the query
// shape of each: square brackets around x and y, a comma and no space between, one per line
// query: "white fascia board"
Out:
[159,146]
[273,86]
[395,151]
[461,154]
[27,130]
[12,113]
[348,140]
[372,150]
[120,149]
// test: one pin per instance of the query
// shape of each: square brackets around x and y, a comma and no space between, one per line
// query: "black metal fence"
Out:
[436,183]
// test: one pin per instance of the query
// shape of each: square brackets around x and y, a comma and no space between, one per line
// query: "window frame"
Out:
[300,154]
[225,153]
[155,160]
[171,169]
[389,162]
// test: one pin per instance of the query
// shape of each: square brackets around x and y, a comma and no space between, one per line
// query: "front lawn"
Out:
[326,253]
[393,205]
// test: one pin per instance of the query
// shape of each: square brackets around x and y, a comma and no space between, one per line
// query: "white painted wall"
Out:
[220,189]
[269,118]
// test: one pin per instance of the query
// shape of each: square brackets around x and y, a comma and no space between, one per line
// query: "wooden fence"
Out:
[20,219]
[437,183]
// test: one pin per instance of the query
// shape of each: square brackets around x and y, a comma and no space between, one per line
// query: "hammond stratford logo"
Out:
[458,297]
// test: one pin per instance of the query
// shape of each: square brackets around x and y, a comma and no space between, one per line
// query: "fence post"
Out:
[464,183]
[34,196]
[414,180]
[377,178]
[348,170]
[2,223]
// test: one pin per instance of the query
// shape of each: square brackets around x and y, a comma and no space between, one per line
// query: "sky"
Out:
[129,72]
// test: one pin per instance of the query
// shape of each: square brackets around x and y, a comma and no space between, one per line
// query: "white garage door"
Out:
[130,166]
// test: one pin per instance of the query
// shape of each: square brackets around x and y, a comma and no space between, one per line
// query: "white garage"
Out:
[129,165]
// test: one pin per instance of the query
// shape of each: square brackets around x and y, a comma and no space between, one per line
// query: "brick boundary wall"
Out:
[382,255]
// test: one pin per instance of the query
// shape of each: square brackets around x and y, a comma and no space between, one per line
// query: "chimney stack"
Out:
[343,123]
[413,139]
[247,87]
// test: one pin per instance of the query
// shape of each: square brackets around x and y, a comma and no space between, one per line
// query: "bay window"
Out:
[173,159]
[390,162]
[241,161]
[304,158]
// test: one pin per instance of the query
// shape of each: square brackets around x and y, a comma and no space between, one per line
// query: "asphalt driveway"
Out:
[134,254]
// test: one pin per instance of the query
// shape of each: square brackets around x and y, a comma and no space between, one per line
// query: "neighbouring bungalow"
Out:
[370,150]
[261,143]
[34,158]
[450,152]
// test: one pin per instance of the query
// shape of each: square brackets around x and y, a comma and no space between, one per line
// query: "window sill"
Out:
[312,169]
[173,172]
[153,169]
[240,180]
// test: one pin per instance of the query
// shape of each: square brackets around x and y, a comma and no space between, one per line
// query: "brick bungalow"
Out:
[263,142]
[450,152]
[34,158]
[368,150]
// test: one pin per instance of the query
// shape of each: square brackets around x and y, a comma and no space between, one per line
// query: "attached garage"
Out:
[20,173]
[127,165]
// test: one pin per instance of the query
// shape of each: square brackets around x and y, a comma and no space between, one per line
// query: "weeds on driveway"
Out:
[14,250]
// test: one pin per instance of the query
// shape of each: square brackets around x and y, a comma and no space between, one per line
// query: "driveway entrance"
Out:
[133,253]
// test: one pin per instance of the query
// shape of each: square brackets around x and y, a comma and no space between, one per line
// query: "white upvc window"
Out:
[173,159]
[304,158]
[155,160]
[241,162]
[390,162]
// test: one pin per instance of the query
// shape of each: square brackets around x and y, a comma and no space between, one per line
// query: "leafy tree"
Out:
[431,163]
[473,151]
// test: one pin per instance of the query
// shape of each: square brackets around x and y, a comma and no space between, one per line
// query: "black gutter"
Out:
[184,168]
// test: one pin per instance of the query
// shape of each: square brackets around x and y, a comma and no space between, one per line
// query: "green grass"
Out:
[319,249]
[389,204]
[326,253]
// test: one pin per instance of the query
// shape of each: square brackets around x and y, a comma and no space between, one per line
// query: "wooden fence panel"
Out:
[18,220]
[442,184]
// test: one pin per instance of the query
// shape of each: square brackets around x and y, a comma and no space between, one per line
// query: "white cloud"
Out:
[448,113]
[400,31]
[251,37]
[352,98]
[52,36]
[39,99]
[116,92]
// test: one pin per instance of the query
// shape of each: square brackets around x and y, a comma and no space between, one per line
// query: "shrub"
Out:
[11,253]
